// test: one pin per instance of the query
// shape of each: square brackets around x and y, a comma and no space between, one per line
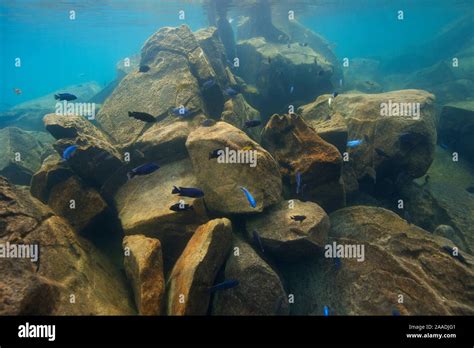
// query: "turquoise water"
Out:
[58,52]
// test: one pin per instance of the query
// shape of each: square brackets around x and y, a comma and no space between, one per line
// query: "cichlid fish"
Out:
[450,251]
[227,284]
[250,198]
[229,91]
[354,143]
[142,116]
[187,192]
[252,123]
[470,189]
[69,152]
[326,311]
[209,83]
[144,169]
[144,68]
[257,240]
[208,122]
[181,207]
[65,96]
[337,263]
[299,218]
[381,152]
[298,183]
[216,153]
[335,94]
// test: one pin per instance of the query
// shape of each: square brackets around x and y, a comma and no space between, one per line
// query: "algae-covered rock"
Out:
[237,111]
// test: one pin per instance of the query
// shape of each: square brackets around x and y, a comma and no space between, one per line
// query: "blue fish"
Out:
[208,84]
[443,146]
[395,312]
[252,123]
[292,89]
[69,152]
[298,182]
[65,96]
[227,284]
[144,169]
[335,94]
[257,240]
[230,92]
[337,263]
[354,143]
[181,111]
[326,311]
[187,192]
[250,198]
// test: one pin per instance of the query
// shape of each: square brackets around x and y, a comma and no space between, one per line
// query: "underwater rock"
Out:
[70,263]
[283,75]
[386,143]
[95,159]
[196,269]
[52,172]
[168,84]
[21,155]
[143,205]
[456,128]
[287,238]
[299,149]
[363,76]
[144,268]
[400,262]
[222,182]
[237,111]
[260,291]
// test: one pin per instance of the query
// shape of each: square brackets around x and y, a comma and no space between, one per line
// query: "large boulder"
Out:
[221,182]
[259,292]
[390,144]
[196,269]
[299,149]
[282,74]
[22,154]
[143,206]
[237,111]
[403,268]
[144,267]
[290,239]
[70,277]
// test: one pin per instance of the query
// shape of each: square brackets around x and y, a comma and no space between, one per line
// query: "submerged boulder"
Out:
[144,268]
[299,149]
[401,268]
[196,269]
[70,277]
[291,229]
[22,154]
[237,111]
[221,181]
[259,292]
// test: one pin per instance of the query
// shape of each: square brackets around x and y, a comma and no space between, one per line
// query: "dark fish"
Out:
[215,154]
[269,60]
[366,138]
[208,122]
[407,137]
[395,312]
[209,83]
[187,192]
[337,263]
[335,94]
[299,218]
[227,284]
[229,91]
[258,241]
[39,258]
[443,146]
[470,189]
[142,116]
[298,182]
[381,152]
[65,96]
[450,251]
[252,123]
[144,68]
[181,207]
[181,111]
[144,169]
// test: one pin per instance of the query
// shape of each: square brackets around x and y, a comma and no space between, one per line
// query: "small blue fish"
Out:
[252,123]
[65,96]
[144,169]
[337,263]
[257,240]
[251,200]
[326,311]
[298,183]
[354,143]
[335,94]
[229,91]
[209,83]
[443,146]
[292,89]
[181,111]
[227,284]
[187,192]
[69,152]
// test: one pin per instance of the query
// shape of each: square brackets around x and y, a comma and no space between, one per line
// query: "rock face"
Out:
[283,74]
[286,238]
[391,145]
[196,269]
[299,149]
[456,128]
[144,268]
[237,111]
[143,205]
[95,159]
[399,259]
[260,291]
[363,76]
[221,182]
[69,265]
[21,154]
